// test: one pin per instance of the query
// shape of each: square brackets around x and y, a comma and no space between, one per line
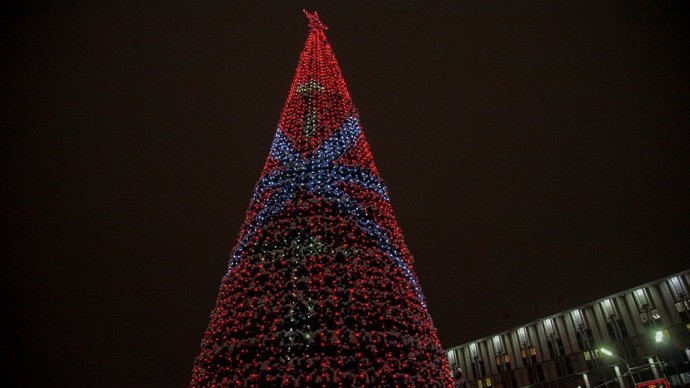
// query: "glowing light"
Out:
[320,288]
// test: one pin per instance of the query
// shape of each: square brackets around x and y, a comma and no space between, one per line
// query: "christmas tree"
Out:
[320,289]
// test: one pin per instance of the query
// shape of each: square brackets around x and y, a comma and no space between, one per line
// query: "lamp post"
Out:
[659,338]
[627,366]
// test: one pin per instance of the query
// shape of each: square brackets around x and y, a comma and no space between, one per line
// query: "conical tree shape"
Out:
[320,289]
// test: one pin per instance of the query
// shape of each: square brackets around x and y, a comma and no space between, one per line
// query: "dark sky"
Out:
[536,155]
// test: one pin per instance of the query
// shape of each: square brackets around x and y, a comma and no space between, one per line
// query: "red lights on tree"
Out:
[320,289]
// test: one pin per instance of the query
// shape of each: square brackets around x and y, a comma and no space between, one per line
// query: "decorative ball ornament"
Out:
[320,289]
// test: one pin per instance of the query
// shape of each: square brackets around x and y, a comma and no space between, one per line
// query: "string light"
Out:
[320,288]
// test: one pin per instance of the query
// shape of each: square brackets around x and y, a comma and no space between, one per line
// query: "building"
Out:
[637,335]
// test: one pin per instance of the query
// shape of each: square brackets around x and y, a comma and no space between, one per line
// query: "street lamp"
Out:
[627,366]
[659,338]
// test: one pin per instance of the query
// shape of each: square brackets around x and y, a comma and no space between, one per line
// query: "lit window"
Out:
[576,315]
[607,306]
[497,343]
[523,353]
[522,335]
[641,297]
[488,381]
[548,327]
[506,358]
[532,351]
[479,384]
[655,314]
[592,354]
[677,286]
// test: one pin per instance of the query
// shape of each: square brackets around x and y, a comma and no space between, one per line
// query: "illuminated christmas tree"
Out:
[320,289]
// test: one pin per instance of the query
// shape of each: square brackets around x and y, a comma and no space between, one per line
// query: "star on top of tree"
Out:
[314,21]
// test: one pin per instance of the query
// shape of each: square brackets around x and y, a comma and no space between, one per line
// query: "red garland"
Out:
[320,290]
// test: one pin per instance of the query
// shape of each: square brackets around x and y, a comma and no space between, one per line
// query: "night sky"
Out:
[536,155]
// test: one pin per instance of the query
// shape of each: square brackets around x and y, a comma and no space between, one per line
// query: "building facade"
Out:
[638,335]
